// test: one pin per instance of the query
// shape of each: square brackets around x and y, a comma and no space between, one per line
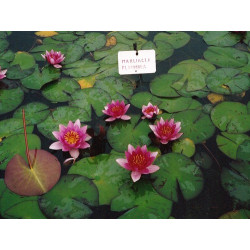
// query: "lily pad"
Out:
[61,90]
[229,144]
[7,56]
[36,112]
[228,81]
[236,182]
[177,169]
[184,146]
[143,98]
[141,201]
[65,37]
[243,151]
[23,180]
[3,44]
[231,117]
[37,79]
[107,175]
[221,38]
[61,115]
[194,74]
[121,134]
[237,214]
[91,97]
[15,144]
[226,57]
[71,198]
[10,99]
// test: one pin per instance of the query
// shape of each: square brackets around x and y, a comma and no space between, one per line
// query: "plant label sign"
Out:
[136,62]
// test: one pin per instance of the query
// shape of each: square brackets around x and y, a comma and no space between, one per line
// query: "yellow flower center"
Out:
[165,130]
[150,109]
[116,109]
[139,161]
[71,137]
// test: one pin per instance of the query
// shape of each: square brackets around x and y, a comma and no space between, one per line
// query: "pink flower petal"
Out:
[56,145]
[77,123]
[58,66]
[123,163]
[74,153]
[135,176]
[56,134]
[68,160]
[153,154]
[153,168]
[130,148]
[110,119]
[88,137]
[126,108]
[125,117]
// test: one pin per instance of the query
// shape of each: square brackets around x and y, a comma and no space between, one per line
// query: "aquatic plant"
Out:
[139,161]
[149,111]
[2,73]
[71,138]
[54,58]
[116,110]
[166,130]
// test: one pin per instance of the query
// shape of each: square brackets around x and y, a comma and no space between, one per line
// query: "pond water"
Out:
[202,81]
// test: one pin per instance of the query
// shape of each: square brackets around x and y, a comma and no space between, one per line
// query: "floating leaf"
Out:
[107,175]
[143,98]
[61,90]
[70,198]
[15,144]
[237,214]
[10,99]
[177,169]
[214,98]
[184,146]
[37,79]
[36,112]
[61,115]
[141,201]
[231,117]
[43,175]
[122,133]
[226,57]
[65,37]
[46,33]
[3,44]
[7,56]
[227,81]
[236,181]
[86,82]
[243,151]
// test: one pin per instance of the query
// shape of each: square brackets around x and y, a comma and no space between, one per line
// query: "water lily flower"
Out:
[54,58]
[149,111]
[2,73]
[139,161]
[71,138]
[116,110]
[166,130]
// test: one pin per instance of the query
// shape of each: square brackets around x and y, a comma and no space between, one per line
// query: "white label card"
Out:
[129,63]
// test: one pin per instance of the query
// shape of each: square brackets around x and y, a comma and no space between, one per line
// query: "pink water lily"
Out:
[54,58]
[71,138]
[116,110]
[149,111]
[139,161]
[166,130]
[2,73]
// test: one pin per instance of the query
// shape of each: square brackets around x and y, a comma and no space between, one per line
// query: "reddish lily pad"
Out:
[22,180]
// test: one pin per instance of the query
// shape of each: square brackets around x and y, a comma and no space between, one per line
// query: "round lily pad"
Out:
[15,144]
[23,180]
[243,151]
[122,133]
[228,81]
[184,146]
[65,37]
[7,56]
[61,90]
[237,214]
[236,181]
[177,169]
[141,201]
[226,57]
[231,117]
[36,112]
[61,115]
[71,198]
[107,175]
[3,44]
[10,99]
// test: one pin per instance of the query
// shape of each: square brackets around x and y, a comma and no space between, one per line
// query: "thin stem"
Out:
[26,140]
[211,155]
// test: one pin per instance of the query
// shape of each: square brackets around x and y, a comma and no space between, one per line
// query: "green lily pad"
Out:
[122,133]
[35,112]
[246,69]
[243,151]
[4,64]
[194,74]
[92,41]
[15,144]
[107,175]
[13,126]
[143,98]
[142,202]
[231,117]
[236,182]
[226,57]
[65,37]
[228,81]
[91,97]
[7,56]
[221,38]
[71,198]
[61,90]
[10,99]
[184,146]
[38,79]
[3,44]
[177,169]
[61,115]
[237,214]
[229,144]
[80,68]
